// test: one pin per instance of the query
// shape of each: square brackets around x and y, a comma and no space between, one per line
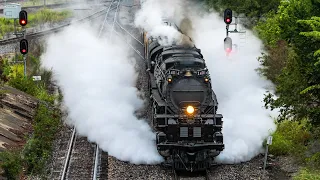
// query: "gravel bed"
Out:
[82,160]
[123,170]
[59,153]
[251,170]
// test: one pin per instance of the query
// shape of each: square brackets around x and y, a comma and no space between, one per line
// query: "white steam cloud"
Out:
[238,87]
[151,16]
[97,78]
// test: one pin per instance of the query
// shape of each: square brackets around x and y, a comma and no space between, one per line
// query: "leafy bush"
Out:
[38,148]
[11,163]
[290,138]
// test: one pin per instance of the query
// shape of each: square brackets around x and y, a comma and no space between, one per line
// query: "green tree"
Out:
[313,90]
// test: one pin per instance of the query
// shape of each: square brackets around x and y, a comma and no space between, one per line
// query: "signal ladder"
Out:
[242,38]
[242,34]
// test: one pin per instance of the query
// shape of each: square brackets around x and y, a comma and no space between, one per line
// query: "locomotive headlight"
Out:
[206,79]
[169,78]
[190,109]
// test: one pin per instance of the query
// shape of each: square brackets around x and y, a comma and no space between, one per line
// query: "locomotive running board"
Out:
[207,145]
[207,116]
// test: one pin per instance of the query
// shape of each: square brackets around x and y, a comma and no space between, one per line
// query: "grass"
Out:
[307,174]
[41,2]
[41,17]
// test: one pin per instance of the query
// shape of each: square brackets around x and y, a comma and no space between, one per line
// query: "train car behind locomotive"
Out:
[184,105]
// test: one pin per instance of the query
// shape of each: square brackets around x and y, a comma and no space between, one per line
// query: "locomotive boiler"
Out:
[184,106]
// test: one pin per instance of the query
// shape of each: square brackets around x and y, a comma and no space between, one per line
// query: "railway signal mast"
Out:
[228,20]
[23,21]
[13,11]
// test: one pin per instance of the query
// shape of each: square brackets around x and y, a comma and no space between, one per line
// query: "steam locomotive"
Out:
[184,106]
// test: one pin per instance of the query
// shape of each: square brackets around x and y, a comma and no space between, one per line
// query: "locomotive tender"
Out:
[188,129]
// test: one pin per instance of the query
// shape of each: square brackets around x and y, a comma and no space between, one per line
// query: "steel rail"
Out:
[106,17]
[57,5]
[128,33]
[49,6]
[66,164]
[53,30]
[96,162]
[130,45]
[72,140]
[115,18]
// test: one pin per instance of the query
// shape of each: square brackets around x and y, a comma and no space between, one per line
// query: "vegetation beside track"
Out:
[32,157]
[41,17]
[290,31]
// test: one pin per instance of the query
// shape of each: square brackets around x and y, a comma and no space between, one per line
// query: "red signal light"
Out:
[228,50]
[227,16]
[23,46]
[23,18]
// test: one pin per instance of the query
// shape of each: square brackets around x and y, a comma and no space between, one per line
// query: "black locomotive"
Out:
[183,105]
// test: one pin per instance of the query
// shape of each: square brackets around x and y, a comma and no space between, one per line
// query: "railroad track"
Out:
[81,161]
[201,175]
[57,5]
[76,157]
[54,30]
[122,31]
[84,160]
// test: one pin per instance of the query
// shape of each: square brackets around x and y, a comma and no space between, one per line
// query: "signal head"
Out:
[228,44]
[228,16]
[23,18]
[23,46]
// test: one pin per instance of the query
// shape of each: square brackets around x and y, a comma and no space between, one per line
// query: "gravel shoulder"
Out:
[278,168]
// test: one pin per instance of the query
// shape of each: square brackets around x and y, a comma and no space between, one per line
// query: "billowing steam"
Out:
[151,16]
[238,86]
[97,78]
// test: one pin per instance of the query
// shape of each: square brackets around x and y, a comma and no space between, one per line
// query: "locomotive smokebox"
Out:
[187,91]
[191,156]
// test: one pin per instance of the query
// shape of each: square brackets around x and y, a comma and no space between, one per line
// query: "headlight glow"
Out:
[190,109]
